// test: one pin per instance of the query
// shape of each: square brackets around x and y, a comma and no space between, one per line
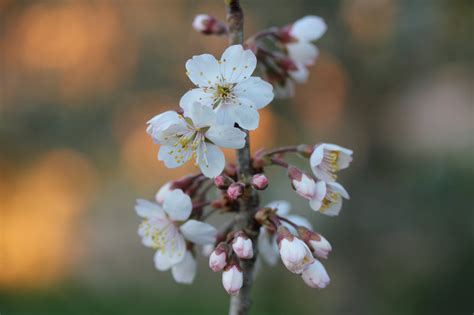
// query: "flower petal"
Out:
[301,73]
[247,116]
[185,271]
[226,136]
[196,95]
[174,156]
[199,232]
[303,52]
[171,254]
[308,28]
[203,70]
[267,247]
[237,64]
[201,115]
[256,90]
[211,160]
[147,209]
[178,205]
[226,114]
[283,207]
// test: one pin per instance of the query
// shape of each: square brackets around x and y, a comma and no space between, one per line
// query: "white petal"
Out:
[335,147]
[185,271]
[226,114]
[317,155]
[211,160]
[163,192]
[201,115]
[226,136]
[308,28]
[339,189]
[199,232]
[147,209]
[267,247]
[171,254]
[247,116]
[301,73]
[196,95]
[171,156]
[256,90]
[283,207]
[178,205]
[303,52]
[203,70]
[237,64]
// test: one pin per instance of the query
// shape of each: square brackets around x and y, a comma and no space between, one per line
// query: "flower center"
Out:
[160,236]
[223,93]
[330,198]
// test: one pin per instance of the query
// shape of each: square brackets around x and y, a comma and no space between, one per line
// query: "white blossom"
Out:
[315,275]
[329,203]
[161,230]
[194,136]
[242,247]
[228,87]
[185,271]
[217,260]
[300,49]
[327,159]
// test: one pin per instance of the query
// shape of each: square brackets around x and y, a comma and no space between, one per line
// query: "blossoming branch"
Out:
[218,113]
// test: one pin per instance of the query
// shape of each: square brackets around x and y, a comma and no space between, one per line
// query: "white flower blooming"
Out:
[327,159]
[315,275]
[331,201]
[300,49]
[228,87]
[194,136]
[161,230]
[294,253]
[185,271]
[232,279]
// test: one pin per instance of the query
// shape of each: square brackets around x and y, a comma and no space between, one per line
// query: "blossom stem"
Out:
[240,304]
[279,162]
[288,221]
[282,150]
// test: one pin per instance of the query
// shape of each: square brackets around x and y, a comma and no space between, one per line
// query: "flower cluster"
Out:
[218,113]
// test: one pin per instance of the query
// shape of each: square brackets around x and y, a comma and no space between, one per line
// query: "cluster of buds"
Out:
[226,258]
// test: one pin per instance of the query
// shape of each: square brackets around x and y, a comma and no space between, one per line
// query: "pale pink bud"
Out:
[223,182]
[317,243]
[259,181]
[163,192]
[294,253]
[315,275]
[232,279]
[242,246]
[209,25]
[218,258]
[235,190]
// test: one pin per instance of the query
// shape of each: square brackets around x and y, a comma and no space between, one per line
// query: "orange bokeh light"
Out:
[39,216]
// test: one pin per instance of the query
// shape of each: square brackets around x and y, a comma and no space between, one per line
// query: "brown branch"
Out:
[240,304]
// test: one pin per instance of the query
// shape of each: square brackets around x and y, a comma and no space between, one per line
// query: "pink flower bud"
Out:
[223,182]
[259,181]
[316,242]
[242,245]
[163,192]
[315,275]
[235,191]
[295,254]
[209,25]
[232,278]
[218,258]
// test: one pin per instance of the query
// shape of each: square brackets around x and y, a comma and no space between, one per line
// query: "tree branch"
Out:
[240,304]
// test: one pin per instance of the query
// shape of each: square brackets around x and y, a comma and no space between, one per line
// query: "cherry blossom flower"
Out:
[329,203]
[259,181]
[162,230]
[327,159]
[194,136]
[315,275]
[227,86]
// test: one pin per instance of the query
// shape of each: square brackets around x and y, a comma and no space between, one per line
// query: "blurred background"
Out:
[79,80]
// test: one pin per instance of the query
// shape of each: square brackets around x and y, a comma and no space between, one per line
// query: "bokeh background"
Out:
[79,79]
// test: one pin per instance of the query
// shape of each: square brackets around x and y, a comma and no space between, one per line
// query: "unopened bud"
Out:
[315,275]
[235,191]
[294,253]
[230,169]
[232,278]
[242,245]
[316,242]
[209,25]
[218,258]
[223,182]
[259,181]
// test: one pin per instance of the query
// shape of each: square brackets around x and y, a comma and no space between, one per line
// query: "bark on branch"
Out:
[240,304]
